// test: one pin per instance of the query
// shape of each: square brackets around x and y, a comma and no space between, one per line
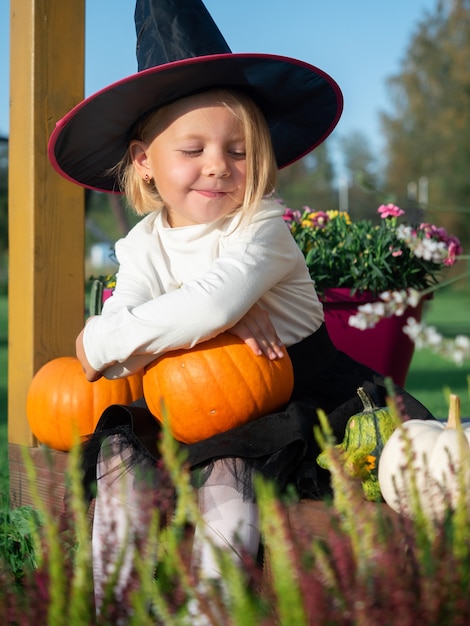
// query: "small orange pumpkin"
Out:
[215,386]
[61,403]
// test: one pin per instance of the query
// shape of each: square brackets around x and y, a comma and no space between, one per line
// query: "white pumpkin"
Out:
[434,455]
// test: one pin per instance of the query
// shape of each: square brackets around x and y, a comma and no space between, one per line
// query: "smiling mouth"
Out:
[211,194]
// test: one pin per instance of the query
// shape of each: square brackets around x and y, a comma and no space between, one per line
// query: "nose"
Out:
[216,165]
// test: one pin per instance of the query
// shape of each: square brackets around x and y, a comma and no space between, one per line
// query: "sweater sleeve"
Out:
[129,337]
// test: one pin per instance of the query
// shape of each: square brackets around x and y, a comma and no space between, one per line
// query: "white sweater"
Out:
[177,287]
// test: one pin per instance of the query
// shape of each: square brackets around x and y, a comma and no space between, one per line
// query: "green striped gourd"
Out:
[365,436]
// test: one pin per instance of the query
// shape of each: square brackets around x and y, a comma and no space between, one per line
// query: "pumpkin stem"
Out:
[366,400]
[453,420]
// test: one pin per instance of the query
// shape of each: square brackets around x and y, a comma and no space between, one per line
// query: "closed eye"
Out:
[238,154]
[191,153]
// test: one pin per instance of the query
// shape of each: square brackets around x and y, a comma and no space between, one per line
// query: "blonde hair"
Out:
[261,168]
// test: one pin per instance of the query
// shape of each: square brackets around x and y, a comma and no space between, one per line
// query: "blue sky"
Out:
[359,42]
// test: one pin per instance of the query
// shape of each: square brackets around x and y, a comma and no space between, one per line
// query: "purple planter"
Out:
[385,348]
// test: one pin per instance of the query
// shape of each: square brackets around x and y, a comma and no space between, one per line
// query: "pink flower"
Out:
[389,210]
[319,219]
[439,234]
[430,230]
[291,216]
[454,249]
[454,242]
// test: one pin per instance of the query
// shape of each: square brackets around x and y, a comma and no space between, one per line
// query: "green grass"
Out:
[430,380]
[431,377]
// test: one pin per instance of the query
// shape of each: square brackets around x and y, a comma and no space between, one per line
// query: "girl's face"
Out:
[197,161]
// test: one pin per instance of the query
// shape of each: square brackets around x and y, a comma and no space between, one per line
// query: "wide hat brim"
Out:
[301,103]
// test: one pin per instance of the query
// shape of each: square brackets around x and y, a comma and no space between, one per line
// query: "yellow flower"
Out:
[316,219]
[333,214]
[370,462]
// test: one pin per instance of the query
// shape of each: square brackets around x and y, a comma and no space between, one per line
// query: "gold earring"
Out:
[147,179]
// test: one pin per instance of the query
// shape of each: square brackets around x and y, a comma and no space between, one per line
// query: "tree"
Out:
[310,181]
[364,191]
[428,131]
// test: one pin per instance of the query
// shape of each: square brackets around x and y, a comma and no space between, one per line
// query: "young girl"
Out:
[195,145]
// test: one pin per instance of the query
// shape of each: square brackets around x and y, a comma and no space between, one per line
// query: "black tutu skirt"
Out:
[281,446]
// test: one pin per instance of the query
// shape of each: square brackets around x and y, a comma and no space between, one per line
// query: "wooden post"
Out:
[46,213]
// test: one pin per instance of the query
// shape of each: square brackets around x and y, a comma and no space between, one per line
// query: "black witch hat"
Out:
[181,51]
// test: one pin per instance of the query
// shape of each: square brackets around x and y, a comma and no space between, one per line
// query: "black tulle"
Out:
[281,446]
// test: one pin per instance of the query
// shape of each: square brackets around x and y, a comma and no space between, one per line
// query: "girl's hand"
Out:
[257,331]
[90,373]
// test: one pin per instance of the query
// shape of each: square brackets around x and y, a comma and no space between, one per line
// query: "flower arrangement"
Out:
[396,262]
[363,256]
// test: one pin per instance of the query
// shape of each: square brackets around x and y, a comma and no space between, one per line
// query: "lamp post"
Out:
[343,193]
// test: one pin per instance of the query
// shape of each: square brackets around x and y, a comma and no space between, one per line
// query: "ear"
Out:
[138,153]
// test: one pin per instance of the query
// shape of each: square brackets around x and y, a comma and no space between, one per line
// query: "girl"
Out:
[195,144]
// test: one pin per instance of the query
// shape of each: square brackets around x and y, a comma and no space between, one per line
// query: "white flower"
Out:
[412,328]
[368,316]
[389,303]
[414,297]
[456,350]
[462,342]
[427,249]
[432,337]
[358,321]
[386,296]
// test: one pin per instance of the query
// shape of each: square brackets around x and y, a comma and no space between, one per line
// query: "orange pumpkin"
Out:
[215,386]
[62,404]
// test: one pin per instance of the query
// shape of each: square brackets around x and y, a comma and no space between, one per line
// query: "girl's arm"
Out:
[91,374]
[255,329]
[127,339]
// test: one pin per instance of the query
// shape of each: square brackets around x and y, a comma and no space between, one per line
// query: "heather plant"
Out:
[392,569]
[18,537]
[370,566]
[58,591]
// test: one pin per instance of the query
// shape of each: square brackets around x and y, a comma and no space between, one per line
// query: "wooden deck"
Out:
[309,517]
[50,467]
